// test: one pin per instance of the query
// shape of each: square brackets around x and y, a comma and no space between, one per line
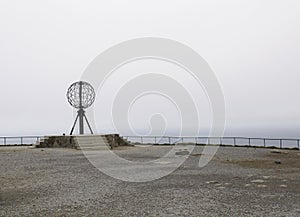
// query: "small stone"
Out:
[283,186]
[258,181]
[196,155]
[211,182]
[279,152]
[278,162]
[266,177]
[170,211]
[247,185]
[276,152]
[261,186]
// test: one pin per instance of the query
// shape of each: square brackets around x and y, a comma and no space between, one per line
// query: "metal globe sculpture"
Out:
[81,95]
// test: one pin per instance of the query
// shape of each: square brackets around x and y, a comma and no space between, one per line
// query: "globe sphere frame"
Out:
[81,94]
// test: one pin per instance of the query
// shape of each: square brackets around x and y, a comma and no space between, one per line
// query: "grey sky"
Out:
[253,47]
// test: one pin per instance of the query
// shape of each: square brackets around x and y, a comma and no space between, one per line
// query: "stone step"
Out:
[83,143]
[92,143]
[101,148]
[99,140]
[93,146]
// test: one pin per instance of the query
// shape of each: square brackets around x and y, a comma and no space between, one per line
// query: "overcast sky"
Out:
[253,47]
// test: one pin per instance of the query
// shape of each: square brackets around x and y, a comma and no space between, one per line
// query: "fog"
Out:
[252,46]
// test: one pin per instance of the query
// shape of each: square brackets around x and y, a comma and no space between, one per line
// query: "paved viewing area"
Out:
[237,182]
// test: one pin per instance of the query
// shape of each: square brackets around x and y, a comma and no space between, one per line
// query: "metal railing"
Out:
[224,141]
[19,140]
[171,140]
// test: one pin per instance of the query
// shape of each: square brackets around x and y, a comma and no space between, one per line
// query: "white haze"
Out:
[253,47]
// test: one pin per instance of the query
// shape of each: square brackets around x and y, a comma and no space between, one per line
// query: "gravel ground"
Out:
[237,182]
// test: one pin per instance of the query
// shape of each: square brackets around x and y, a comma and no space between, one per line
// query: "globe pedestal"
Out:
[81,116]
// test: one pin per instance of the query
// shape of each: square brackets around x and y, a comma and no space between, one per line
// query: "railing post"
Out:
[280,143]
[4,140]
[169,141]
[264,142]
[234,141]
[221,141]
[142,140]
[21,140]
[298,141]
[249,141]
[155,140]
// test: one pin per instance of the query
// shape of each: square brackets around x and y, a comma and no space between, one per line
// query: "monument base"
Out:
[89,142]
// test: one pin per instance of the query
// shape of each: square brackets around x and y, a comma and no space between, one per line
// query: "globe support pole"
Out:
[74,125]
[88,124]
[81,111]
[81,124]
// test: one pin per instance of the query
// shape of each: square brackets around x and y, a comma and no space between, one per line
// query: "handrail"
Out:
[250,140]
[205,137]
[18,140]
